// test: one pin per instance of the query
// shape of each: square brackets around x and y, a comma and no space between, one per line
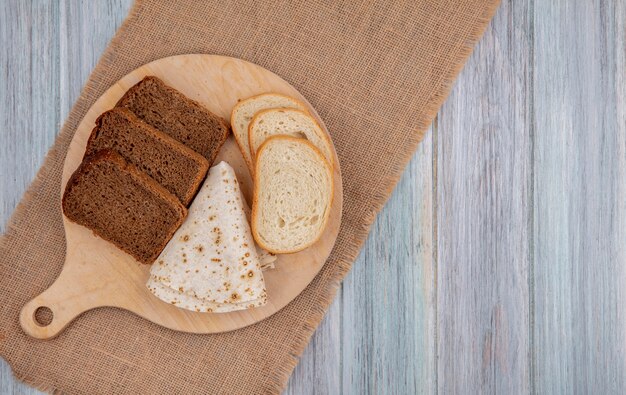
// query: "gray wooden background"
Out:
[499,263]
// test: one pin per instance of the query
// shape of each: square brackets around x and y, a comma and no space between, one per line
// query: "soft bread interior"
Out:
[245,110]
[292,196]
[287,122]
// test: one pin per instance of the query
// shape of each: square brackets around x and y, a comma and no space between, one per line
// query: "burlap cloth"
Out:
[376,71]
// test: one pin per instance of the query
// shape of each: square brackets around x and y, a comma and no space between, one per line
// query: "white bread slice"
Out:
[244,111]
[287,122]
[293,191]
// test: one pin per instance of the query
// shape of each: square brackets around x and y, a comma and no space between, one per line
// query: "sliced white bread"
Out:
[287,122]
[293,191]
[244,111]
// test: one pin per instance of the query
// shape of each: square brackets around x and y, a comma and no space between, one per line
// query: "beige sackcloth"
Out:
[376,71]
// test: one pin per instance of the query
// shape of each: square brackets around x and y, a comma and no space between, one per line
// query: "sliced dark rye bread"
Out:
[171,112]
[177,168]
[121,204]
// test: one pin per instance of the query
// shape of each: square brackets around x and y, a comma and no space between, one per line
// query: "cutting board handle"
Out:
[63,310]
[97,274]
[73,293]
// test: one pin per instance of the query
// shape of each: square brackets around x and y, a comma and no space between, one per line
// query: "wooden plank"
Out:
[28,94]
[95,23]
[388,300]
[483,199]
[580,197]
[48,50]
[319,370]
[379,334]
[86,29]
[28,99]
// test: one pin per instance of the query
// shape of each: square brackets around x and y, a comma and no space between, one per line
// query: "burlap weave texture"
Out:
[376,71]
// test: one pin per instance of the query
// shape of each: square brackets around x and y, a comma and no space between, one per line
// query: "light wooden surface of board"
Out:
[499,263]
[98,274]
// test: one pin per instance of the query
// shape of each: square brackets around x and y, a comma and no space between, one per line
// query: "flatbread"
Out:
[266,258]
[211,264]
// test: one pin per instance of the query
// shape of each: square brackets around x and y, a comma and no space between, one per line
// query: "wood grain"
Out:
[379,335]
[48,50]
[29,93]
[484,207]
[550,72]
[388,341]
[579,327]
[98,274]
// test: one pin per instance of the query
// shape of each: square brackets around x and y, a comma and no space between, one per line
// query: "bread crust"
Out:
[255,196]
[325,136]
[175,145]
[147,181]
[127,98]
[242,144]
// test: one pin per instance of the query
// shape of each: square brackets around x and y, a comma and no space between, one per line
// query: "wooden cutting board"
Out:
[97,274]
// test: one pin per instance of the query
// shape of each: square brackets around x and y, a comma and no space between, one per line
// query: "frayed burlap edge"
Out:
[60,146]
[344,263]
[278,381]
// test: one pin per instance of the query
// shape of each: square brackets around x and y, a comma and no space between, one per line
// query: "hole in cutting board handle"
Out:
[43,316]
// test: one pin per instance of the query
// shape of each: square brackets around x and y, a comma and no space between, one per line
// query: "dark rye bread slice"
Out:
[171,112]
[123,205]
[177,168]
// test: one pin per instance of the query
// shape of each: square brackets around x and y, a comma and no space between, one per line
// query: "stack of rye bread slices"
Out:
[144,162]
